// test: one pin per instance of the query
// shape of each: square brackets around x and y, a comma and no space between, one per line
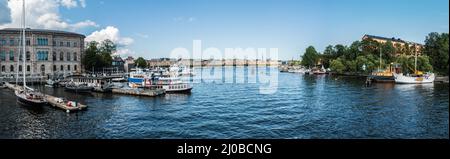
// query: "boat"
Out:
[169,84]
[78,88]
[184,71]
[26,95]
[417,78]
[136,78]
[320,71]
[386,75]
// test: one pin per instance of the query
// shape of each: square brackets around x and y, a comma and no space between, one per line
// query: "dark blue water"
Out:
[303,107]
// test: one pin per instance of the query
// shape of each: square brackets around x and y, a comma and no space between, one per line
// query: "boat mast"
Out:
[379,67]
[415,63]
[23,43]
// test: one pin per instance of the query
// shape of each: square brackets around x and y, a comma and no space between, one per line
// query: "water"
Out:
[303,107]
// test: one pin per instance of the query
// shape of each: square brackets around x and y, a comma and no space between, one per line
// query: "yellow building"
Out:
[397,42]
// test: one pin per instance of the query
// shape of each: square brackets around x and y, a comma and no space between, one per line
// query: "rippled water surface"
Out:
[303,106]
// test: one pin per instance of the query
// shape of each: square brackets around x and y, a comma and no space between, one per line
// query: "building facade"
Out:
[48,52]
[397,42]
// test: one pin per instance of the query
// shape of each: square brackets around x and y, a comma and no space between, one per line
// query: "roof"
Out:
[389,39]
[42,31]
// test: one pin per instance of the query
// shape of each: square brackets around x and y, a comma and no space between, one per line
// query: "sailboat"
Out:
[386,75]
[417,78]
[27,95]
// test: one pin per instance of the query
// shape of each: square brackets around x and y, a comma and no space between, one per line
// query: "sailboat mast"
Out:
[23,43]
[379,68]
[415,63]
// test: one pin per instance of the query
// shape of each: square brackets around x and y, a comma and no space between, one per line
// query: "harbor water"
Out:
[302,107]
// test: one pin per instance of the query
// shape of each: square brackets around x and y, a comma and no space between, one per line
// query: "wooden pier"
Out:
[68,106]
[140,92]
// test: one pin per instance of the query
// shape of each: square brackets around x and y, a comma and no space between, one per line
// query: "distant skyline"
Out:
[153,28]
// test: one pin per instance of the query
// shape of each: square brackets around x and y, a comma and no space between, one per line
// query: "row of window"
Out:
[40,42]
[40,56]
[61,68]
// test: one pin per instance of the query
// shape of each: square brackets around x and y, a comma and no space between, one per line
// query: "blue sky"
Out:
[158,26]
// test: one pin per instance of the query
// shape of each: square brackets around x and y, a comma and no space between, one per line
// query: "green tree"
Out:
[340,50]
[311,57]
[337,65]
[89,60]
[436,47]
[141,62]
[388,51]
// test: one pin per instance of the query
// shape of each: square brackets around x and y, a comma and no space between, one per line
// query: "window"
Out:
[61,44]
[43,68]
[28,68]
[68,56]
[11,68]
[68,67]
[42,56]
[20,68]
[2,42]
[11,55]
[28,43]
[54,56]
[61,68]
[75,67]
[75,44]
[28,56]
[54,43]
[68,44]
[61,56]
[3,68]
[2,56]
[54,67]
[75,56]
[11,42]
[42,41]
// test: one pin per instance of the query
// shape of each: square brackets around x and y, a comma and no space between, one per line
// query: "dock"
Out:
[68,106]
[55,101]
[140,92]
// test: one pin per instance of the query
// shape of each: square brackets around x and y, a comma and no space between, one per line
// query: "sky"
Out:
[153,28]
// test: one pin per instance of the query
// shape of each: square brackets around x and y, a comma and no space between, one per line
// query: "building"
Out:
[129,64]
[48,52]
[118,63]
[397,42]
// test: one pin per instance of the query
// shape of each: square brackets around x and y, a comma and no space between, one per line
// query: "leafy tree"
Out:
[97,55]
[311,57]
[337,66]
[436,47]
[141,62]
[388,51]
[90,58]
[340,50]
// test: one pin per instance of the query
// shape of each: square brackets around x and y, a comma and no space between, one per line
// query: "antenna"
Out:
[23,43]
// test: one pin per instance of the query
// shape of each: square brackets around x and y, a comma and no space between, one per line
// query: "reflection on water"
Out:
[304,106]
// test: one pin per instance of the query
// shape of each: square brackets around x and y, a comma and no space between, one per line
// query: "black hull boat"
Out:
[30,98]
[186,91]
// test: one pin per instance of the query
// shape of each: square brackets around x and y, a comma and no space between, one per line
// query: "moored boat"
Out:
[79,88]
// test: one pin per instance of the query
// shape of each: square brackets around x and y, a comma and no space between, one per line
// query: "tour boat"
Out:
[26,95]
[137,77]
[170,84]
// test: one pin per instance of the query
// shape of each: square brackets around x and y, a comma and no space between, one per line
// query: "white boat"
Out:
[417,78]
[414,79]
[186,71]
[26,95]
[170,84]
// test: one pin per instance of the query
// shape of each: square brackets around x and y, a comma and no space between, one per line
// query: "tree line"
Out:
[99,55]
[363,56]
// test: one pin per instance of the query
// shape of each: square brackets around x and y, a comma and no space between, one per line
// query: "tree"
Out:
[340,50]
[388,51]
[97,55]
[337,66]
[141,62]
[436,47]
[310,57]
[89,59]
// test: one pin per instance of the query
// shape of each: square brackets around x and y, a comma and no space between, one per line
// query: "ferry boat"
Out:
[170,84]
[137,77]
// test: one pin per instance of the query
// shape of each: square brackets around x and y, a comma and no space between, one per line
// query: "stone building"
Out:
[48,52]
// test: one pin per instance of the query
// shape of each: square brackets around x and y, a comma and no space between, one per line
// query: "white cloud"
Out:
[184,19]
[144,36]
[83,3]
[5,12]
[45,14]
[111,33]
[69,3]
